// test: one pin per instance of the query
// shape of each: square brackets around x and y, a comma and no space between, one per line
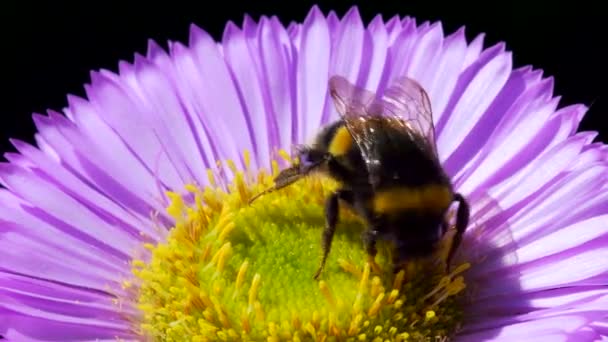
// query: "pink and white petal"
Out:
[65,180]
[558,328]
[577,191]
[554,159]
[563,239]
[333,22]
[393,28]
[110,150]
[23,255]
[312,73]
[547,272]
[44,196]
[398,54]
[61,299]
[515,227]
[422,66]
[115,103]
[186,79]
[513,304]
[161,59]
[214,94]
[35,325]
[447,70]
[472,148]
[278,84]
[601,327]
[347,46]
[522,135]
[346,55]
[248,81]
[375,53]
[474,51]
[170,123]
[474,92]
[294,30]
[592,307]
[92,149]
[19,218]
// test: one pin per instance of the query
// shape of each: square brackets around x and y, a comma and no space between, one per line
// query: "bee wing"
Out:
[404,105]
[408,103]
[357,106]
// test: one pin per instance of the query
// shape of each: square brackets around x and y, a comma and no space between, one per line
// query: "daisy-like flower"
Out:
[130,220]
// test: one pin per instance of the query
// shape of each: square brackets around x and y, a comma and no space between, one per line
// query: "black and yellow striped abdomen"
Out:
[430,198]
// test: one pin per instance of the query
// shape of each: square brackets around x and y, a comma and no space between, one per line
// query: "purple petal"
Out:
[217,95]
[183,70]
[20,219]
[277,80]
[84,193]
[475,94]
[422,66]
[170,123]
[549,329]
[477,138]
[347,48]
[398,54]
[102,138]
[44,196]
[313,68]
[119,108]
[346,55]
[375,52]
[447,70]
[245,73]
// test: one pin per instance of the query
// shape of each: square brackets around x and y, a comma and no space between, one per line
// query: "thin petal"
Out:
[375,53]
[277,65]
[549,329]
[476,89]
[65,180]
[216,96]
[249,86]
[313,68]
[422,65]
[448,65]
[44,196]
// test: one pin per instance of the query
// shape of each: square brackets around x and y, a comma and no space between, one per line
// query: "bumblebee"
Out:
[382,152]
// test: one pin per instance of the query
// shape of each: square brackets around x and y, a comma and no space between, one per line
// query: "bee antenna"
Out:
[269,190]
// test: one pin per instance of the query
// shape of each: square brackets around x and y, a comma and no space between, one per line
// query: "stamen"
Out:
[350,268]
[327,293]
[194,285]
[211,178]
[253,290]
[283,154]
[240,278]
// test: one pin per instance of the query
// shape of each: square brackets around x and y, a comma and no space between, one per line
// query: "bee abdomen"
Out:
[431,197]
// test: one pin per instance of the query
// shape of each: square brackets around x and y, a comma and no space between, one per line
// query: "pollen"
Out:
[231,271]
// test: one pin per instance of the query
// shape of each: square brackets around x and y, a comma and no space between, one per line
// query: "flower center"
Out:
[232,271]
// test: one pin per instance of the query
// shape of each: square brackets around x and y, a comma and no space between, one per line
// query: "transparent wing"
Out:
[404,105]
[406,99]
[359,109]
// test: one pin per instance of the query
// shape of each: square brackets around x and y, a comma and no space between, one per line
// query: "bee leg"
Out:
[462,221]
[332,211]
[370,237]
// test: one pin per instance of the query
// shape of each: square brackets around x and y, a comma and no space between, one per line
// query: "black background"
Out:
[48,48]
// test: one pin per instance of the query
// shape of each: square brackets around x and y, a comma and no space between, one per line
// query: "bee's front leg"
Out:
[370,238]
[462,222]
[332,211]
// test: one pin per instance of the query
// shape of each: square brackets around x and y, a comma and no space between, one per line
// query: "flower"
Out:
[110,223]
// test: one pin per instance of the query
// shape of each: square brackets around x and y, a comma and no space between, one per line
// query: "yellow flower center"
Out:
[231,271]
